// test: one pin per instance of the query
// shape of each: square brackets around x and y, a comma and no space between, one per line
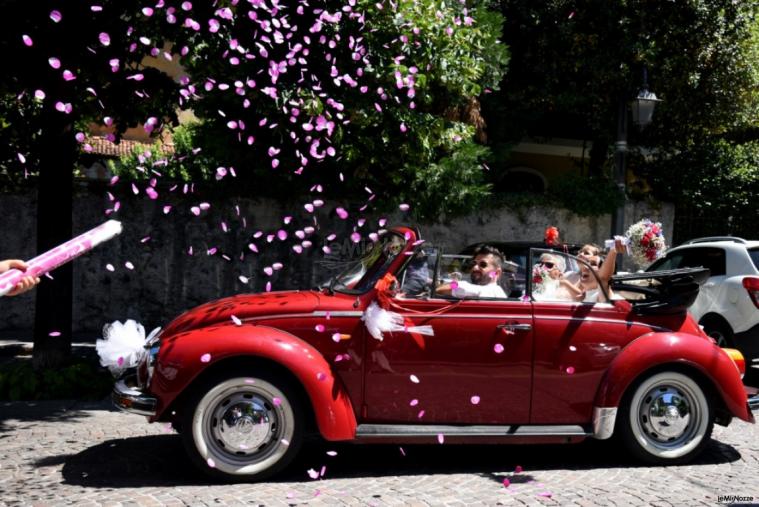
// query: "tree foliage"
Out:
[390,105]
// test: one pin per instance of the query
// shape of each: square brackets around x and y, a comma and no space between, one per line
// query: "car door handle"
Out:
[515,327]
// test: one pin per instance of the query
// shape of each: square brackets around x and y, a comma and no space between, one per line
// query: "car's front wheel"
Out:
[667,418]
[243,427]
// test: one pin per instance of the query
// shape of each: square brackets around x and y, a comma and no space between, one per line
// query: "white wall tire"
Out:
[243,428]
[667,418]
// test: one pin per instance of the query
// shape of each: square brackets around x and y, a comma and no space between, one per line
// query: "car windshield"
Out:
[362,274]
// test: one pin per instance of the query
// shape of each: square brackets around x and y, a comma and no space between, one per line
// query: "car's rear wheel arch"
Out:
[247,363]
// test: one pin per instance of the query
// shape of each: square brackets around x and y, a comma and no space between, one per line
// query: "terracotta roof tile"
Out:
[102,146]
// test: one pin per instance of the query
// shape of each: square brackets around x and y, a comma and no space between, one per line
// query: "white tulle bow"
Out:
[123,345]
[378,320]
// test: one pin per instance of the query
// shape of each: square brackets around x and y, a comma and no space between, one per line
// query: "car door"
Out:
[475,369]
[574,344]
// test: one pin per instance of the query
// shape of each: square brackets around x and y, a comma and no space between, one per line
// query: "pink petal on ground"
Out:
[440,438]
[518,469]
[475,400]
[498,348]
[205,358]
[237,321]
[277,401]
[414,379]
[120,361]
[414,402]
[506,482]
[546,494]
[404,207]
[54,333]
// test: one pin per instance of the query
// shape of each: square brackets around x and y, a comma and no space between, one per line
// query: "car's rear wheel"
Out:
[667,418]
[243,428]
[720,331]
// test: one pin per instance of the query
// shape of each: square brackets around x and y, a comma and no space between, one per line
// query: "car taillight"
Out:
[752,286]
[738,359]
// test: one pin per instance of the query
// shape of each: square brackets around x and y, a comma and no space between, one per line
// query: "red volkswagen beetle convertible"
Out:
[244,378]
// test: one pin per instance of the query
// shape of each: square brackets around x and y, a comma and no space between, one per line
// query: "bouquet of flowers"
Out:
[646,241]
[540,279]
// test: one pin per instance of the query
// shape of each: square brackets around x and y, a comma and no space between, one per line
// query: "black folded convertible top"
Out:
[660,292]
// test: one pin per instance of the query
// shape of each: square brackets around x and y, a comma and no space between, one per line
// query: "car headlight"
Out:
[147,365]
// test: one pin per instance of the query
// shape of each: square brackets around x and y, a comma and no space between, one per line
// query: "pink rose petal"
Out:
[237,321]
[414,379]
[506,482]
[475,400]
[570,370]
[404,207]
[27,40]
[440,438]
[54,333]
[414,402]
[205,358]
[498,348]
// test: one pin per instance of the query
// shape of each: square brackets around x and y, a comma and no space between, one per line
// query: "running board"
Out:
[432,430]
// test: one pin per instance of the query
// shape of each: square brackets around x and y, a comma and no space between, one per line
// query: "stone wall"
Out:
[167,280]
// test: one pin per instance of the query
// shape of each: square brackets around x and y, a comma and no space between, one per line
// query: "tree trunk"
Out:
[54,226]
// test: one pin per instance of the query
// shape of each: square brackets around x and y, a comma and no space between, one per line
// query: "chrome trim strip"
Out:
[604,419]
[336,314]
[753,402]
[432,430]
[607,321]
[467,316]
[132,400]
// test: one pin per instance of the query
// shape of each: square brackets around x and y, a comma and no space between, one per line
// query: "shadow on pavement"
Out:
[160,460]
[46,410]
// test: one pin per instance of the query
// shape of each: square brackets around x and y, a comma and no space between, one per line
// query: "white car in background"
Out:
[727,305]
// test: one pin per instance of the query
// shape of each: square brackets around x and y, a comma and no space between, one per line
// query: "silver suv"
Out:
[728,304]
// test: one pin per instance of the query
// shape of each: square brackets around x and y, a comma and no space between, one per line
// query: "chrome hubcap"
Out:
[244,424]
[667,415]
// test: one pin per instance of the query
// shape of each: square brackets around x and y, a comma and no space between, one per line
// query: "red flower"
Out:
[552,236]
[644,241]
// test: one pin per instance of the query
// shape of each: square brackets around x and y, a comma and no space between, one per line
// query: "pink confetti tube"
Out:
[60,255]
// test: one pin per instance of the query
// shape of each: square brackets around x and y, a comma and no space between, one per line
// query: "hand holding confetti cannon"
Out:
[59,255]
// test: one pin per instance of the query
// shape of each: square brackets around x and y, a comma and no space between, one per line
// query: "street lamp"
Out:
[642,112]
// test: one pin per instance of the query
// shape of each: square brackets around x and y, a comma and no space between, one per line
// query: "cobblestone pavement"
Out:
[59,453]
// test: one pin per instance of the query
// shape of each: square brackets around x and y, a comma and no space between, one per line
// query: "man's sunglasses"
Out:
[482,264]
[547,264]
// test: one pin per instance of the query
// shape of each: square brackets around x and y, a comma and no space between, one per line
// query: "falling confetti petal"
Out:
[211,463]
[128,265]
[475,400]
[570,370]
[404,207]
[321,376]
[277,401]
[54,333]
[205,358]
[440,438]
[414,379]
[313,473]
[331,453]
[237,321]
[319,328]
[110,267]
[414,402]
[506,482]
[55,16]
[518,469]
[498,348]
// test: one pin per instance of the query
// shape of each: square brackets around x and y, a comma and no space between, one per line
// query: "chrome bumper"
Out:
[753,402]
[130,399]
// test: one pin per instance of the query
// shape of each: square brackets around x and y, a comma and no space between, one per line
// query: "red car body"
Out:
[563,370]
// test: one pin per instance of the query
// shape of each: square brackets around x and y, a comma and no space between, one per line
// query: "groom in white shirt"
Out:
[486,272]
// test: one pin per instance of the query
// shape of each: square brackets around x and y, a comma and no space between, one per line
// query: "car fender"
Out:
[653,349]
[185,356]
